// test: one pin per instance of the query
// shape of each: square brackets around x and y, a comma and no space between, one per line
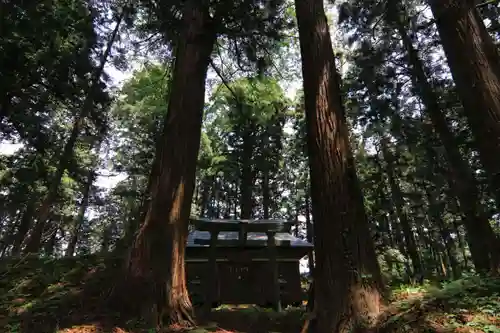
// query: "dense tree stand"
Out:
[155,273]
[476,72]
[348,287]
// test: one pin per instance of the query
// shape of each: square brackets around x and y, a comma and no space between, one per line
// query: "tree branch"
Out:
[224,81]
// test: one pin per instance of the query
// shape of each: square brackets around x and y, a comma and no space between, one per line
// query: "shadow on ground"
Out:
[48,295]
[67,295]
[258,320]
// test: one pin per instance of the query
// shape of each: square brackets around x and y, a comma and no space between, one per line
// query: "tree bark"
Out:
[155,266]
[476,72]
[348,285]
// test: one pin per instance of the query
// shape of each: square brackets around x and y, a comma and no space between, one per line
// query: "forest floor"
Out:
[64,296]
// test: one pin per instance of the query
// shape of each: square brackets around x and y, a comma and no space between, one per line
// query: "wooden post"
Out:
[211,287]
[242,234]
[271,244]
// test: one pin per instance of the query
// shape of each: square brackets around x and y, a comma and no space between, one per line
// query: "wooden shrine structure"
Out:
[245,262]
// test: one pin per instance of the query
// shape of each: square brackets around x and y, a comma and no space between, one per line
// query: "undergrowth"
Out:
[65,295]
[470,304]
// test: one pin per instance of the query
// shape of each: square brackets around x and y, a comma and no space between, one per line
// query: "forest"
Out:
[374,125]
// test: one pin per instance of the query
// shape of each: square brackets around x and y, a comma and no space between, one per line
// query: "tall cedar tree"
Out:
[480,235]
[348,290]
[476,71]
[156,263]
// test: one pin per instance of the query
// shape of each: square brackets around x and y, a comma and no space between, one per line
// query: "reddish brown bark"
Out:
[156,262]
[474,61]
[347,277]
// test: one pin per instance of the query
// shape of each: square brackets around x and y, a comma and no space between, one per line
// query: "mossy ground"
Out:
[66,295]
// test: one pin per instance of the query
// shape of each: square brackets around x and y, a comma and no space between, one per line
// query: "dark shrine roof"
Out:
[199,238]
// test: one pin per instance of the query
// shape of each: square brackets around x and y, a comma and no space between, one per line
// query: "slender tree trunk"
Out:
[266,195]
[476,72]
[398,203]
[348,282]
[51,242]
[216,198]
[445,234]
[481,238]
[155,268]
[205,195]
[33,242]
[461,244]
[134,219]
[399,242]
[385,202]
[266,166]
[247,179]
[24,227]
[5,106]
[309,231]
[106,239]
[10,234]
[80,217]
[235,201]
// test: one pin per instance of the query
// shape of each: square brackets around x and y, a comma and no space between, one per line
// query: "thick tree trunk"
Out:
[476,71]
[348,282]
[480,235]
[155,267]
[33,242]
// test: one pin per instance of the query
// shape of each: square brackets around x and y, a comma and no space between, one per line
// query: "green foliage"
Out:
[42,288]
[242,143]
[138,117]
